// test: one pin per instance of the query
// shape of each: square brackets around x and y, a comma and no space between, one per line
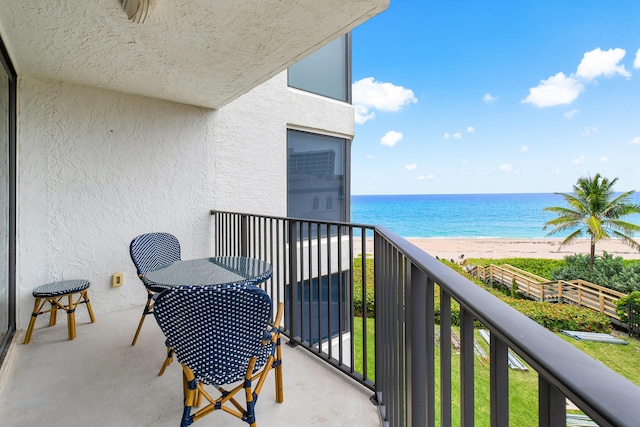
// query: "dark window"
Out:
[317,169]
[325,72]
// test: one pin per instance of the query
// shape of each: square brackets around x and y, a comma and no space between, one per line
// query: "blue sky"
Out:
[496,96]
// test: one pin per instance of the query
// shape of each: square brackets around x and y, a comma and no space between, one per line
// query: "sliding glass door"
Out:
[7,200]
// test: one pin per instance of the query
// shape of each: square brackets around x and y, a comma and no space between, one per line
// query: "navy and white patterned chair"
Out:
[149,252]
[222,335]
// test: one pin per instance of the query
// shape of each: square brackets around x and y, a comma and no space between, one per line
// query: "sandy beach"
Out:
[516,248]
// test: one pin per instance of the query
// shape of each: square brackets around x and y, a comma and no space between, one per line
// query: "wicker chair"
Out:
[149,252]
[221,335]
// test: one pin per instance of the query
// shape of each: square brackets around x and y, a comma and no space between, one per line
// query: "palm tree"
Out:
[592,209]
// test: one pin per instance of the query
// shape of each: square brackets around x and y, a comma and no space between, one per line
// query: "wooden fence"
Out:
[579,292]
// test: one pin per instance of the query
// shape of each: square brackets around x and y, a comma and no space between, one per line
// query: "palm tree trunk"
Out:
[593,255]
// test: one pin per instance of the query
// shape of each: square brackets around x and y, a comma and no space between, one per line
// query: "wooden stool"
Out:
[53,293]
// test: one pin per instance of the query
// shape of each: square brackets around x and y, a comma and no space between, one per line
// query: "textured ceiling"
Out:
[199,52]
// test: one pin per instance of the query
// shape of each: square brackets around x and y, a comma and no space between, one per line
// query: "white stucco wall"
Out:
[251,143]
[96,168]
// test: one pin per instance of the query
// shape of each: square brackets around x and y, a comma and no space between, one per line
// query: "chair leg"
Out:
[190,386]
[248,392]
[278,361]
[147,310]
[71,318]
[278,369]
[167,361]
[85,297]
[53,317]
[32,322]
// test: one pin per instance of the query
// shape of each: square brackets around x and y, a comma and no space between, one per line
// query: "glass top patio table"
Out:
[213,271]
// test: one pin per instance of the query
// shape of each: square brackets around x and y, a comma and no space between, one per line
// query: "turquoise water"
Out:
[461,215]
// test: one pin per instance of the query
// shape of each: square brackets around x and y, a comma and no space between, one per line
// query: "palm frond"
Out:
[593,210]
[622,226]
[628,240]
[595,227]
[579,204]
[562,223]
[561,210]
[564,227]
[571,237]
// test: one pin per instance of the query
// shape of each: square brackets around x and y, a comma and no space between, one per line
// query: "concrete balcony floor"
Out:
[99,379]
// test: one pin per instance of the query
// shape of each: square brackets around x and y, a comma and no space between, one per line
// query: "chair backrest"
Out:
[215,330]
[154,250]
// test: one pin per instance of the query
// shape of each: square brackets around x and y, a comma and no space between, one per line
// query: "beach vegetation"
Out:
[514,289]
[608,271]
[555,317]
[366,302]
[615,273]
[622,305]
[543,267]
[594,210]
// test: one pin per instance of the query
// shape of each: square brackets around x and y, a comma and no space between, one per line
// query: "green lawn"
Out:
[523,386]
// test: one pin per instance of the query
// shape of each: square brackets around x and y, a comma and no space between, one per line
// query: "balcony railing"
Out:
[314,273]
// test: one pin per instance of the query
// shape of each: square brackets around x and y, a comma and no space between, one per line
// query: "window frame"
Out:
[5,62]
[345,213]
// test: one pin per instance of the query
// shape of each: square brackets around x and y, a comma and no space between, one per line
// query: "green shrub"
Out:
[357,286]
[622,305]
[610,272]
[559,317]
[542,267]
[555,317]
[514,288]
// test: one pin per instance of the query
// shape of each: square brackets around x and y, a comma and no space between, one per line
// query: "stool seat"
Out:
[60,288]
[53,293]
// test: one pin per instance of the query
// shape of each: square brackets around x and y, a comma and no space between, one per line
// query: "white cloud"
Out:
[599,62]
[604,159]
[589,130]
[370,156]
[391,138]
[362,114]
[570,114]
[369,94]
[556,90]
[431,176]
[635,140]
[456,135]
[411,167]
[636,62]
[524,148]
[579,160]
[557,172]
[506,168]
[562,89]
[421,177]
[489,99]
[471,129]
[465,162]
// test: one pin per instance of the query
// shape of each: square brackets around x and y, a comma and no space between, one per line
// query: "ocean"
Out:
[462,215]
